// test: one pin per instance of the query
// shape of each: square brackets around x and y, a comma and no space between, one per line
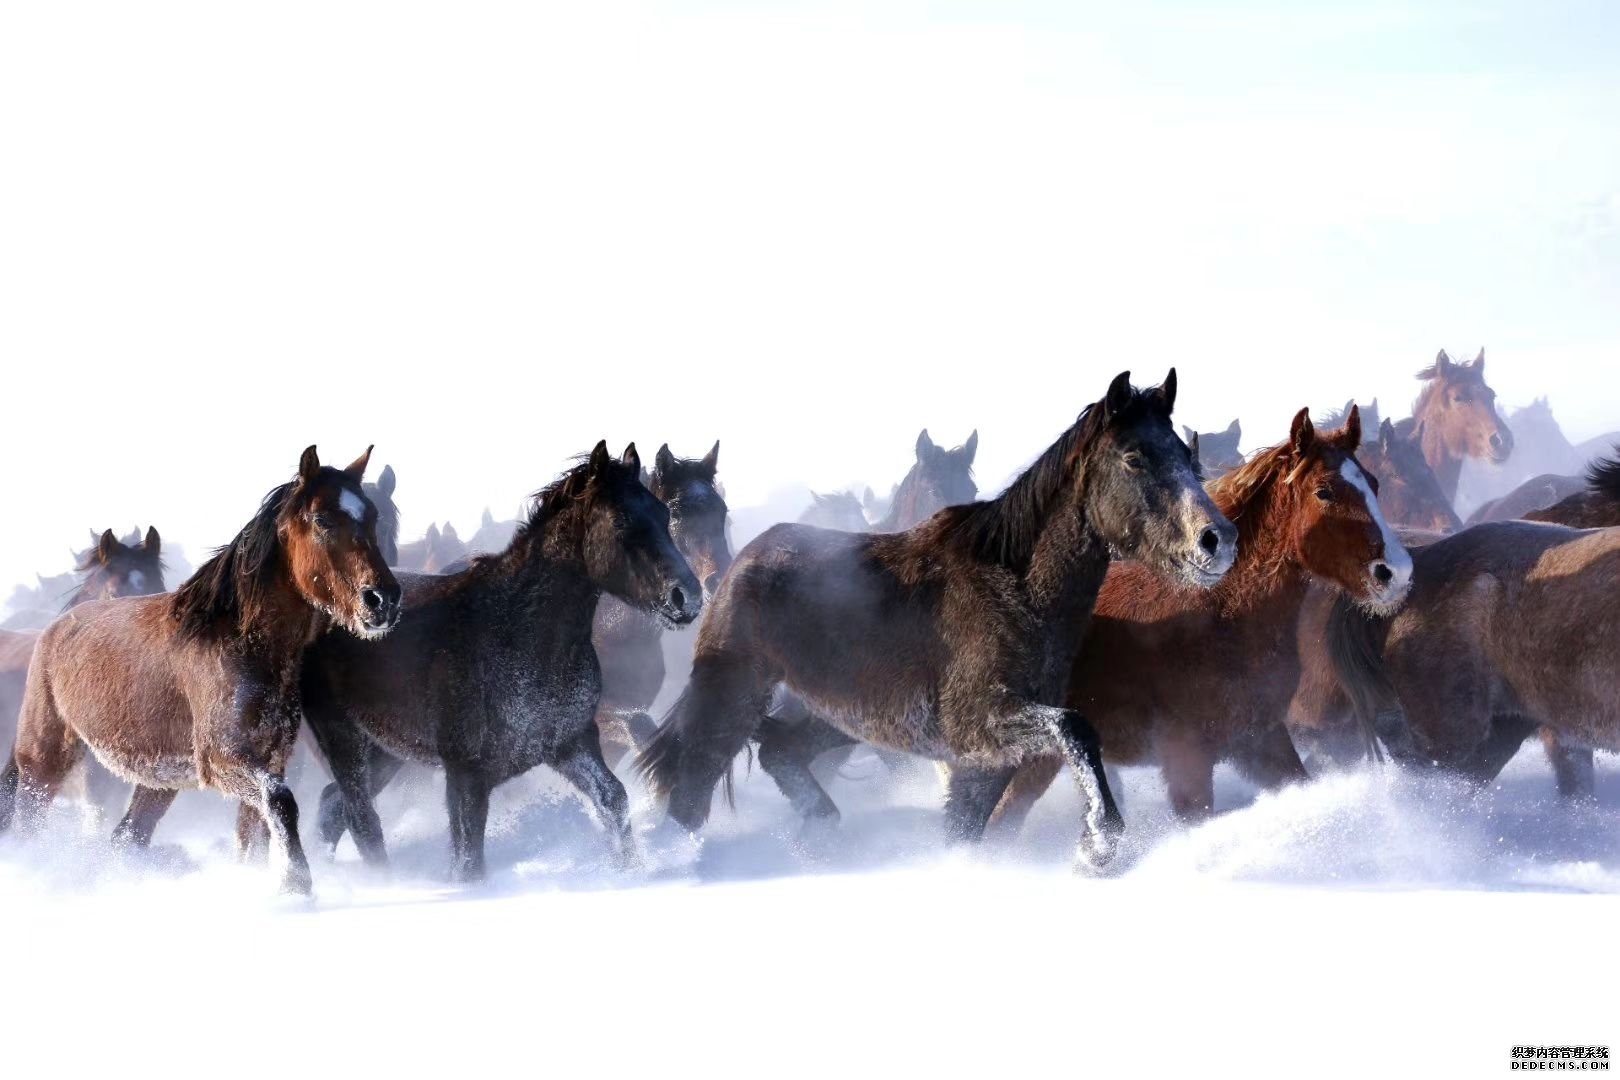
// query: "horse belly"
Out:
[912,727]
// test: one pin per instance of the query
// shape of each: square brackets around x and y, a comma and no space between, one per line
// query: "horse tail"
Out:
[1355,645]
[701,735]
[8,791]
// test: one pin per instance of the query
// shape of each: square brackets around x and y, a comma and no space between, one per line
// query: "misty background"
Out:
[485,241]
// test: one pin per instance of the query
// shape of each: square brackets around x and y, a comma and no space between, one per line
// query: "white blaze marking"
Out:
[1396,557]
[137,580]
[353,505]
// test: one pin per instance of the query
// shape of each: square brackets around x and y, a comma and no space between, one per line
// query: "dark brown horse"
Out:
[939,478]
[952,640]
[1510,626]
[200,689]
[381,495]
[1596,507]
[835,510]
[493,671]
[1187,678]
[628,639]
[1408,493]
[1455,418]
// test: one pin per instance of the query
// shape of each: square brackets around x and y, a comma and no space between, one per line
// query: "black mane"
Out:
[231,587]
[1603,476]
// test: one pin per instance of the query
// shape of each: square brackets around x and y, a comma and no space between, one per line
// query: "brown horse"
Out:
[939,478]
[1408,493]
[200,689]
[1596,507]
[1305,510]
[835,510]
[493,673]
[952,640]
[381,495]
[1510,626]
[112,568]
[629,640]
[1455,418]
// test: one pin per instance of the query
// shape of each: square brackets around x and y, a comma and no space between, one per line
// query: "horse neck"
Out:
[545,566]
[903,507]
[1065,574]
[282,627]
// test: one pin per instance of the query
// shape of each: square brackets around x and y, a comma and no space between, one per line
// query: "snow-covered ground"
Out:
[1369,921]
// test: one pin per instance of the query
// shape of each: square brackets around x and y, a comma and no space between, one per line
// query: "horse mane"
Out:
[1005,529]
[1603,476]
[233,585]
[1239,492]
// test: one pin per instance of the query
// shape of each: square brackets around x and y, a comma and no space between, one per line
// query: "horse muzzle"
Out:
[1212,555]
[380,609]
[681,603]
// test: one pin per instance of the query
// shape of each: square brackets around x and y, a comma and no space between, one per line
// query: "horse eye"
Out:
[1133,460]
[324,522]
[1325,494]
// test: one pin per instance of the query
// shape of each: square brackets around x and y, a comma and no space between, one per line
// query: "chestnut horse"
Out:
[1305,510]
[939,478]
[1510,626]
[1455,417]
[952,640]
[200,689]
[493,673]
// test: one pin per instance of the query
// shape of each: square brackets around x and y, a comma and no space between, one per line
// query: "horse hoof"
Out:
[1096,852]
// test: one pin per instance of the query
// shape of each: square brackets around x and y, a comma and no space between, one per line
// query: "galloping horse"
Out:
[1305,510]
[200,688]
[952,640]
[493,672]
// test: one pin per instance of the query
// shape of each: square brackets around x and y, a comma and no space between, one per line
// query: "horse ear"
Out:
[925,445]
[1350,435]
[357,467]
[1302,433]
[663,461]
[1118,397]
[432,533]
[1167,393]
[1442,363]
[1235,429]
[309,465]
[711,460]
[1192,443]
[153,544]
[970,449]
[1479,362]
[597,463]
[631,458]
[386,482]
[1188,434]
[488,518]
[1386,435]
[107,546]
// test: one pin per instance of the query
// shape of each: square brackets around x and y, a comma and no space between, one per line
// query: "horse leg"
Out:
[45,752]
[1267,757]
[146,808]
[252,834]
[333,817]
[1189,772]
[1572,765]
[705,730]
[278,808]
[786,751]
[584,767]
[623,730]
[1033,730]
[971,796]
[1501,742]
[466,792]
[1028,784]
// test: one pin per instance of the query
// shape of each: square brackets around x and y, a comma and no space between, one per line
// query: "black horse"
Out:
[952,640]
[494,671]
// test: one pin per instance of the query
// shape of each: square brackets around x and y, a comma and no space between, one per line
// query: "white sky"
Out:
[483,236]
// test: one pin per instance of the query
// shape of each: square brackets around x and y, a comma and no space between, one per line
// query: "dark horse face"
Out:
[114,568]
[1143,493]
[329,530]
[940,478]
[1217,451]
[381,495]
[697,512]
[1407,488]
[629,551]
[1339,532]
[1462,410]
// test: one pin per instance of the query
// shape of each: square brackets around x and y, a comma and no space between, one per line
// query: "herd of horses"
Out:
[1132,598]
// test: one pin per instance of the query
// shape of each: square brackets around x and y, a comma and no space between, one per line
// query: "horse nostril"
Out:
[371,598]
[677,599]
[1209,540]
[1496,440]
[1383,573]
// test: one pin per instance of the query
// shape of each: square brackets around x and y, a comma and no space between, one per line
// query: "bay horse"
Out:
[951,640]
[1595,507]
[1217,451]
[939,478]
[1510,626]
[381,495]
[1305,511]
[200,688]
[1409,493]
[1455,418]
[493,671]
